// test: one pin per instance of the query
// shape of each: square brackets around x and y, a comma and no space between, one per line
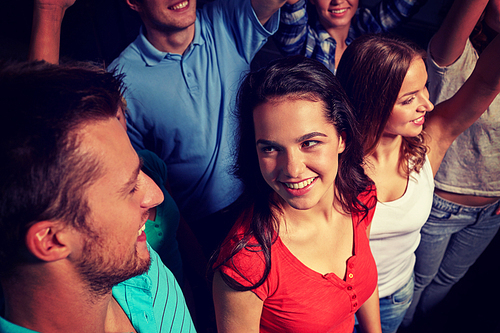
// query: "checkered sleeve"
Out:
[387,15]
[292,33]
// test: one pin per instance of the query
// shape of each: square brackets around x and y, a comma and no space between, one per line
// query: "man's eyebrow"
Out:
[133,179]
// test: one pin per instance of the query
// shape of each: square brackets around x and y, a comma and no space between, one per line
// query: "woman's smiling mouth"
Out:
[300,185]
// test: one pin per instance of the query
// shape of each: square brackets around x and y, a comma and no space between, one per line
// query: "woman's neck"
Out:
[388,148]
[292,220]
[383,167]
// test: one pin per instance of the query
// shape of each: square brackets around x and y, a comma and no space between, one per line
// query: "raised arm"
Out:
[292,33]
[449,41]
[236,311]
[46,29]
[389,14]
[452,117]
[266,8]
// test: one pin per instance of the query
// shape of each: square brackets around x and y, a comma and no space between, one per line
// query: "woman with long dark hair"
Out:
[298,259]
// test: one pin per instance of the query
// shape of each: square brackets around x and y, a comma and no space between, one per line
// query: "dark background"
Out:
[99,30]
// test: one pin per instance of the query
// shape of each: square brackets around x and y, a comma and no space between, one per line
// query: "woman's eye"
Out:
[136,187]
[311,143]
[409,100]
[268,149]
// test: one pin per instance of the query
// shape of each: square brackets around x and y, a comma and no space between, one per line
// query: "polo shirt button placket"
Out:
[192,84]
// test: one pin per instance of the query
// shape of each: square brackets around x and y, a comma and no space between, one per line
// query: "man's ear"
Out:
[47,241]
[134,5]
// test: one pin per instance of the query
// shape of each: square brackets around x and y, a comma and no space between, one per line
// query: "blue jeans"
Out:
[453,238]
[393,307]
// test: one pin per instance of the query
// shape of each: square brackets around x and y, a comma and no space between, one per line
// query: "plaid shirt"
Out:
[298,36]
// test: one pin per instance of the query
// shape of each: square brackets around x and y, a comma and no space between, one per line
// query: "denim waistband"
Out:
[410,281]
[455,208]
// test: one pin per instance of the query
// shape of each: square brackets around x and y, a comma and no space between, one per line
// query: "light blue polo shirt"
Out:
[153,302]
[180,106]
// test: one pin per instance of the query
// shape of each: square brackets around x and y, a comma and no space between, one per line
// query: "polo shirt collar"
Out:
[152,56]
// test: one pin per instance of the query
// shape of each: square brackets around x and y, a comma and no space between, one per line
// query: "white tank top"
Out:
[395,231]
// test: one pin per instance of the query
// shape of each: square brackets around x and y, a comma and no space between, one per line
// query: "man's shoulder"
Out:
[8,327]
[129,56]
[134,55]
[154,293]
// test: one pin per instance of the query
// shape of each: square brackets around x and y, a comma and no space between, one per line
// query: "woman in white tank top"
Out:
[385,78]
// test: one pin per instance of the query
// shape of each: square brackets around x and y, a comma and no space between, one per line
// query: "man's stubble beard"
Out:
[102,273]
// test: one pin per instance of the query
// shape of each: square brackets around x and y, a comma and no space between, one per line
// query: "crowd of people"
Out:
[344,186]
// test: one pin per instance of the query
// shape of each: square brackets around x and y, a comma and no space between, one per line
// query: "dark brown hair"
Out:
[371,71]
[299,78]
[43,174]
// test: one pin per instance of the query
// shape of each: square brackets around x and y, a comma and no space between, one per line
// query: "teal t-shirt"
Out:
[162,232]
[153,302]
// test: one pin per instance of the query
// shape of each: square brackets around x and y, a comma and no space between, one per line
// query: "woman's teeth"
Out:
[300,185]
[418,120]
[338,11]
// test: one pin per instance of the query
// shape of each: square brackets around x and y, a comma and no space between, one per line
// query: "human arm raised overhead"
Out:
[46,29]
[453,116]
[448,43]
[386,15]
[292,33]
[264,9]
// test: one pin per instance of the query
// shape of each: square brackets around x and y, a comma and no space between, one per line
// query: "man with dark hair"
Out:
[73,205]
